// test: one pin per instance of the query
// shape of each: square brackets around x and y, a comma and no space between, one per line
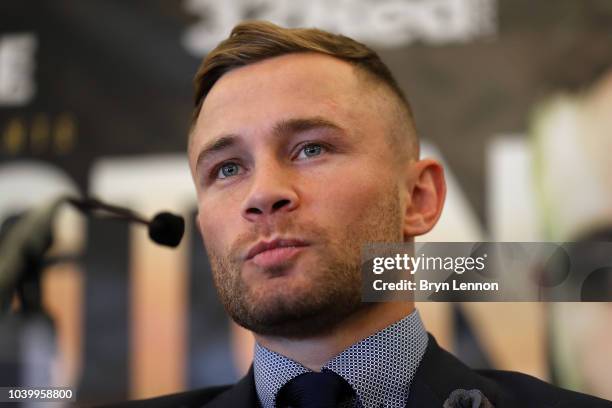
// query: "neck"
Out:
[314,352]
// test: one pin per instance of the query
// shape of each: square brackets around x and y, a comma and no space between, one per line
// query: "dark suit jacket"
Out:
[439,374]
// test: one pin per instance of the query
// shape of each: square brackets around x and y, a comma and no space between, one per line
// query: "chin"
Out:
[279,290]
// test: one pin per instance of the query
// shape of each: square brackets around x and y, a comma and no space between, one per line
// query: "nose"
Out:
[271,193]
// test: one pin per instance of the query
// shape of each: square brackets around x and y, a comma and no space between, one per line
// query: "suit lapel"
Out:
[440,373]
[421,395]
[241,395]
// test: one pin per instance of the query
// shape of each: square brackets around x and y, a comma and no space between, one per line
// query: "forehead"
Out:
[295,85]
[294,76]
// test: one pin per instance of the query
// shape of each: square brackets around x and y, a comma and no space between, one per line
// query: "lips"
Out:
[275,244]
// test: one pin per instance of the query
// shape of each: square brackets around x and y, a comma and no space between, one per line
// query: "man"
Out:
[303,149]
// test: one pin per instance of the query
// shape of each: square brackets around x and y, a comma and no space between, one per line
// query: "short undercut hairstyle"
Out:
[254,41]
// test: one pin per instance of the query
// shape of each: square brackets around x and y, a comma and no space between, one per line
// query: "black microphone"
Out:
[165,228]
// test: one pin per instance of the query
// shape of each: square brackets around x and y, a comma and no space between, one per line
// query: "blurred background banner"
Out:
[514,96]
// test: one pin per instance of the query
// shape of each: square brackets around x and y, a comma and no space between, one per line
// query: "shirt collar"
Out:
[380,368]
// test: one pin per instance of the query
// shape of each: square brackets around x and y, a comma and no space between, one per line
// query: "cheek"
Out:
[216,225]
[349,200]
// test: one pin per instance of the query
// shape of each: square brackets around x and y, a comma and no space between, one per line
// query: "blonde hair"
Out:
[254,41]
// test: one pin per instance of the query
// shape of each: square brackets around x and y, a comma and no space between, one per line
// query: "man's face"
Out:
[291,155]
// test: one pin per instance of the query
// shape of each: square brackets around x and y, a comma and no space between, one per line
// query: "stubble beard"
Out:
[328,293]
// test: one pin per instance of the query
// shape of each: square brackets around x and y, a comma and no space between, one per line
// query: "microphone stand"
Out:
[22,260]
[29,344]
[21,256]
[23,248]
[89,205]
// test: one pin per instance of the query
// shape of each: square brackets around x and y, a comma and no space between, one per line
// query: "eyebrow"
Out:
[280,129]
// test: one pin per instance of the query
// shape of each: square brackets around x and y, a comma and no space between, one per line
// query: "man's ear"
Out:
[426,190]
[196,221]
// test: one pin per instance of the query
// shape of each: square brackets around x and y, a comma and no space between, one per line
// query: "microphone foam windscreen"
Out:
[167,229]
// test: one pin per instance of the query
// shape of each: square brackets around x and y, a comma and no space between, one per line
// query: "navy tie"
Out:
[315,390]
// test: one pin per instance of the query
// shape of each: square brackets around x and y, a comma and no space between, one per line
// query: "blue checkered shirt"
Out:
[380,368]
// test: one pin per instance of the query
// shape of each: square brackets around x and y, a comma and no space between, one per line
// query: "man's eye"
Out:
[310,150]
[228,170]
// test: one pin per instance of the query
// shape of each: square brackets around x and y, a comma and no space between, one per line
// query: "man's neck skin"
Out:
[314,352]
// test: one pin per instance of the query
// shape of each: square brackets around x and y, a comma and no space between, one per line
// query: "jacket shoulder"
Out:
[240,395]
[440,374]
[187,399]
[540,393]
